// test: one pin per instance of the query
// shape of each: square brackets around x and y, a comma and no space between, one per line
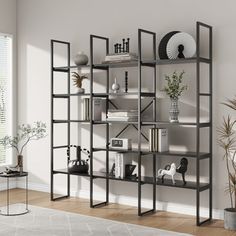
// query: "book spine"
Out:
[150,140]
[156,140]
[86,109]
[97,109]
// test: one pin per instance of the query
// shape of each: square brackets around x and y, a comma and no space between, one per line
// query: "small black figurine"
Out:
[112,172]
[122,48]
[127,45]
[129,169]
[182,168]
[126,81]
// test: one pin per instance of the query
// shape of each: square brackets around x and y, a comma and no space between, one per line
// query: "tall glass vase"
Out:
[20,163]
[174,111]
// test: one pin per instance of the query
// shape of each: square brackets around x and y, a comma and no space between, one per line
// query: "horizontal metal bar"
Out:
[57,147]
[60,198]
[98,37]
[147,212]
[149,64]
[146,31]
[204,25]
[205,156]
[100,67]
[204,94]
[59,41]
[205,60]
[60,69]
[100,204]
[204,221]
[204,188]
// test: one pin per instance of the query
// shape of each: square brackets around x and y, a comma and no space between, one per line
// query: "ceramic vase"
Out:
[174,111]
[81,59]
[115,87]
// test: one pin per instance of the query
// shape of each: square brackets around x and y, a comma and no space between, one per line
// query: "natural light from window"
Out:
[5,94]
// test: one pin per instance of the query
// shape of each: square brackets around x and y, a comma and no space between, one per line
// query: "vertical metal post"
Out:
[8,196]
[154,119]
[198,126]
[26,189]
[68,112]
[52,128]
[107,129]
[210,116]
[139,122]
[91,121]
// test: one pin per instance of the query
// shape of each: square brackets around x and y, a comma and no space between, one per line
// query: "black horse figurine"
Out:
[182,168]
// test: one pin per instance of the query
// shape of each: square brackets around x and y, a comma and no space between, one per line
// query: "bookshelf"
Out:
[152,64]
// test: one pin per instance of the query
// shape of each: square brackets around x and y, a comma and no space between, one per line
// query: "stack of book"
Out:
[158,140]
[122,115]
[120,57]
[99,109]
[121,160]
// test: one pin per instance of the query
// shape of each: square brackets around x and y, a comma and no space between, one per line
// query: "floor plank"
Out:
[162,220]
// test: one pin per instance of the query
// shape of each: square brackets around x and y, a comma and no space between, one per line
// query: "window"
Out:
[5,94]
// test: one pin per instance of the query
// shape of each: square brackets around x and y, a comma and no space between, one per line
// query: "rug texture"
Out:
[48,222]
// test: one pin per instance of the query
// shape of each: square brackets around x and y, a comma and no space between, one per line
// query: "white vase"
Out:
[174,111]
[115,87]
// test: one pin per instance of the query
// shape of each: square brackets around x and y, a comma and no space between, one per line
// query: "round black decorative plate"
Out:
[163,44]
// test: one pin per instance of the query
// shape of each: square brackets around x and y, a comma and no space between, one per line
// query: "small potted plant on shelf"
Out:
[174,90]
[26,133]
[227,141]
[77,78]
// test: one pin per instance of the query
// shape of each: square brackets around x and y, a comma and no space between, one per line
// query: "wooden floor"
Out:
[161,220]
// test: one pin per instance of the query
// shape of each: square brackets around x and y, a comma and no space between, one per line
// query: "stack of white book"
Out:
[121,159]
[120,57]
[158,140]
[122,115]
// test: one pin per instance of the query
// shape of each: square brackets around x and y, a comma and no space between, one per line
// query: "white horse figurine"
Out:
[169,170]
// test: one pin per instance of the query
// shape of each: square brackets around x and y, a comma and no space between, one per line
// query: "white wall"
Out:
[74,21]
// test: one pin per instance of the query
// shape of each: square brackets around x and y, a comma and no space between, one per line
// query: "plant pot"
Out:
[230,218]
[174,111]
[20,164]
[81,90]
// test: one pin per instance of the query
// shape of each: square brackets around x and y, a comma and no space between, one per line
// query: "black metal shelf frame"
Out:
[153,63]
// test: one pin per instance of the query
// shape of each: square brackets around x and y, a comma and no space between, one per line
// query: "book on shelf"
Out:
[121,113]
[86,109]
[158,140]
[122,119]
[121,160]
[99,109]
[120,57]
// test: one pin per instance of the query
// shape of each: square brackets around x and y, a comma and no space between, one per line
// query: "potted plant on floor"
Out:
[227,140]
[26,133]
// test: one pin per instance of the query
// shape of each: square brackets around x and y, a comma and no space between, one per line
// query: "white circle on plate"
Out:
[177,39]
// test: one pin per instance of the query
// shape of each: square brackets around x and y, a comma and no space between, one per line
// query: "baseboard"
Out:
[131,201]
[12,184]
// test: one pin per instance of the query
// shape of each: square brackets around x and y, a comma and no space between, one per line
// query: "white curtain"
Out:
[5,90]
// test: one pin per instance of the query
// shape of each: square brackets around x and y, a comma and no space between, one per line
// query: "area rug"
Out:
[48,222]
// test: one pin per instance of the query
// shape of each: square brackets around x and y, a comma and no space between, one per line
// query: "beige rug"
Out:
[48,222]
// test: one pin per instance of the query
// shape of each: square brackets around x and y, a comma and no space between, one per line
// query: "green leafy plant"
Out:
[227,141]
[26,133]
[77,78]
[174,88]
